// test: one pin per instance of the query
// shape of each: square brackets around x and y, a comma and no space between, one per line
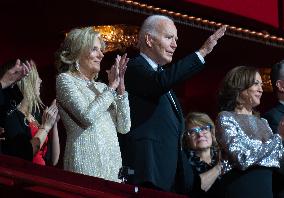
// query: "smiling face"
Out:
[251,96]
[163,42]
[90,61]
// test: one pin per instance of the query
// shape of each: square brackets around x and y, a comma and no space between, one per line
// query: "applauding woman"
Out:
[24,125]
[92,112]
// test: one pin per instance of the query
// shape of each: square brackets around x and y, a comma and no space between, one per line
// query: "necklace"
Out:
[28,117]
[81,76]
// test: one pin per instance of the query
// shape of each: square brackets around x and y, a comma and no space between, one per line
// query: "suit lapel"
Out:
[143,61]
[176,106]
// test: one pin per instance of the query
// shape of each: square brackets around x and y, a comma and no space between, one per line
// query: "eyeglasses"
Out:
[196,130]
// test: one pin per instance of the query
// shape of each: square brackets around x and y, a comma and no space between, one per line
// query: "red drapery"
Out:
[265,11]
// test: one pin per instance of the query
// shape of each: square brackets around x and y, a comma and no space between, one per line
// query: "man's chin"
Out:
[168,60]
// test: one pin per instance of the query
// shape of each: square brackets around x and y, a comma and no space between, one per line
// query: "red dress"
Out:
[38,158]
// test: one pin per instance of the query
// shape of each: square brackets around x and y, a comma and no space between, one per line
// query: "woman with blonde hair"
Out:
[200,144]
[24,123]
[92,112]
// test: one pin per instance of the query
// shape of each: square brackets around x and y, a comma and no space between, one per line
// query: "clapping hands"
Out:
[117,72]
[50,116]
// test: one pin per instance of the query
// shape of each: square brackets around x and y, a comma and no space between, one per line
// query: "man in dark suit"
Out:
[152,148]
[274,117]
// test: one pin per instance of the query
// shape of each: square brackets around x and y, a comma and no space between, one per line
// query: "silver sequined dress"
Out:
[247,140]
[92,115]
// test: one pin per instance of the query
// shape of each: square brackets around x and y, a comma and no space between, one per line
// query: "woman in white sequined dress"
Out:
[92,112]
[249,148]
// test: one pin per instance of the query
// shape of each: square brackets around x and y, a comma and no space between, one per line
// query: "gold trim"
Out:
[260,37]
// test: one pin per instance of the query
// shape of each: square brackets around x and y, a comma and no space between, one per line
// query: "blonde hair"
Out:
[199,119]
[27,86]
[76,42]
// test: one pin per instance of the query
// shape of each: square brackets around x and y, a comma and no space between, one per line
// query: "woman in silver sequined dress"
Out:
[92,112]
[249,148]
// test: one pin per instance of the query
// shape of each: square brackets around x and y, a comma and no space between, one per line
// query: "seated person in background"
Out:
[200,144]
[22,124]
[249,148]
[92,112]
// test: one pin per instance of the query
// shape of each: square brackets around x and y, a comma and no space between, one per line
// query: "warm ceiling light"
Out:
[118,37]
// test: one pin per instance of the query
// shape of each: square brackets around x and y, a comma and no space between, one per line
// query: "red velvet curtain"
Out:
[265,11]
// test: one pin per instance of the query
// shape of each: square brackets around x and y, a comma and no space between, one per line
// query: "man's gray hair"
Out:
[150,25]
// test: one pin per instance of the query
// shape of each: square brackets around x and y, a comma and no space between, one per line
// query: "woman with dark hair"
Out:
[249,148]
[200,144]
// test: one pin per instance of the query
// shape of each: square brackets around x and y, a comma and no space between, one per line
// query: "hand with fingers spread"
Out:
[210,43]
[113,74]
[122,68]
[16,73]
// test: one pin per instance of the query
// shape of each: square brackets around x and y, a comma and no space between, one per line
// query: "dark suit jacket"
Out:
[9,99]
[17,143]
[152,148]
[274,115]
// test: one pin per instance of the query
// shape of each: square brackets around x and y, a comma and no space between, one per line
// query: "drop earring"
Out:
[77,66]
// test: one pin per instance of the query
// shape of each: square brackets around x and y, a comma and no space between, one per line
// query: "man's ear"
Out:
[149,40]
[279,86]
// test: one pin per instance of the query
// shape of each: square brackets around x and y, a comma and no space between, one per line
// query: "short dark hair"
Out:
[236,80]
[275,73]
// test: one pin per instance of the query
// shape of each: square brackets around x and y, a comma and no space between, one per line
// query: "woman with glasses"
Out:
[248,146]
[200,144]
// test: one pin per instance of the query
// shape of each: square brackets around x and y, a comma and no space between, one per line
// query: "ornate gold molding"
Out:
[239,32]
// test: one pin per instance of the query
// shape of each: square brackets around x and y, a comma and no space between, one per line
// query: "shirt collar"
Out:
[152,63]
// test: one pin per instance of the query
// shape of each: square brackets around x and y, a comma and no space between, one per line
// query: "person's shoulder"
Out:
[269,113]
[66,76]
[137,60]
[226,114]
[279,108]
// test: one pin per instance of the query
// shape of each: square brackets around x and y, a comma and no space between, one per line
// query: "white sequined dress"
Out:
[92,115]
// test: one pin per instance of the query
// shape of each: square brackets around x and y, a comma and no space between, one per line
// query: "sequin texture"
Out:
[246,140]
[92,115]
